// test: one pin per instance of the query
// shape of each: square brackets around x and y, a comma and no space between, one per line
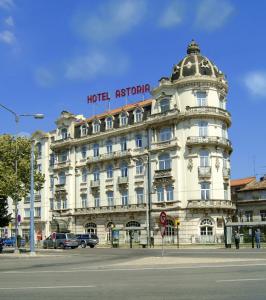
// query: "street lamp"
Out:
[17,119]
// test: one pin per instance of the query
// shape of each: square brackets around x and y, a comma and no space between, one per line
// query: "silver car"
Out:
[61,240]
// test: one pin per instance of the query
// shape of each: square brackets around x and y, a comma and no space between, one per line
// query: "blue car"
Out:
[10,242]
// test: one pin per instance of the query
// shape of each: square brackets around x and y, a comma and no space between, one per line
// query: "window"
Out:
[201,98]
[165,105]
[84,175]
[51,204]
[109,122]
[206,227]
[91,228]
[203,128]
[204,158]
[51,160]
[84,152]
[138,115]
[62,178]
[124,198]
[37,212]
[169,193]
[64,133]
[165,134]
[51,181]
[96,150]
[123,144]
[225,160]
[224,131]
[109,147]
[140,195]
[139,167]
[64,203]
[96,174]
[160,194]
[39,150]
[164,162]
[63,156]
[123,170]
[109,171]
[249,216]
[96,126]
[84,201]
[225,191]
[83,130]
[39,168]
[139,141]
[26,212]
[222,103]
[123,119]
[205,190]
[110,198]
[170,228]
[97,200]
[263,215]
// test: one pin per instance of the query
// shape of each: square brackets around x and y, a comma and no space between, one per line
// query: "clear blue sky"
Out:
[55,53]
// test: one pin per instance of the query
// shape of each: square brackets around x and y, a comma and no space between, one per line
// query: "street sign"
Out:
[162,231]
[163,218]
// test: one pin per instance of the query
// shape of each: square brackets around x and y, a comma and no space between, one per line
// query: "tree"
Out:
[5,218]
[15,157]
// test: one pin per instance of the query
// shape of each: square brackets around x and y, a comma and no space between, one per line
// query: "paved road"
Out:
[135,274]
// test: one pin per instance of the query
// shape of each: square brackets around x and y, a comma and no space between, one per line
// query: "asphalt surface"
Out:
[135,274]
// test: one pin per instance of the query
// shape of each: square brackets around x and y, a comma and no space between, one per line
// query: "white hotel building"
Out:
[122,168]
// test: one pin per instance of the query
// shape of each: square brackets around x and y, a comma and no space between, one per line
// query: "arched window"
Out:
[123,119]
[206,227]
[84,175]
[96,126]
[165,105]
[204,158]
[91,228]
[109,171]
[62,178]
[64,133]
[124,169]
[139,167]
[164,162]
[133,224]
[138,115]
[39,150]
[109,122]
[165,134]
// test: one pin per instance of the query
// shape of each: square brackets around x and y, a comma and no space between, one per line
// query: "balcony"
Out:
[209,111]
[122,180]
[166,205]
[158,174]
[60,187]
[61,143]
[204,172]
[109,156]
[209,141]
[165,116]
[210,204]
[95,184]
[226,173]
[62,165]
[111,209]
[164,145]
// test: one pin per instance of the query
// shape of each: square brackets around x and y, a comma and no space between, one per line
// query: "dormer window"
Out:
[96,126]
[138,114]
[109,122]
[123,119]
[83,130]
[165,105]
[64,133]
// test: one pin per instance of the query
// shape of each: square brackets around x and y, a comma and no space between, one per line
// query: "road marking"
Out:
[48,287]
[134,269]
[243,279]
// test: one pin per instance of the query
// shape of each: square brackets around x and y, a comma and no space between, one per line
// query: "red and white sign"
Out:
[162,231]
[163,218]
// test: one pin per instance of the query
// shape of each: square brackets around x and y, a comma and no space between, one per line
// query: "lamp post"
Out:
[17,119]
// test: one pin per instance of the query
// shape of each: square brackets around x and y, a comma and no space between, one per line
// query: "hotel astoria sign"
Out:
[119,93]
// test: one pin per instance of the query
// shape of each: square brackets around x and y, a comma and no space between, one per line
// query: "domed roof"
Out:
[194,64]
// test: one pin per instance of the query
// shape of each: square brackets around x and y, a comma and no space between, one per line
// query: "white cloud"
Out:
[9,21]
[256,83]
[111,20]
[94,64]
[7,37]
[44,77]
[172,15]
[212,14]
[6,4]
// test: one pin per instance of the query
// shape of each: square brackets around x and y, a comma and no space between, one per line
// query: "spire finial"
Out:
[193,48]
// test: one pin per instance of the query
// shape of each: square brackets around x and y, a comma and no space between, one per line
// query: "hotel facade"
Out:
[119,170]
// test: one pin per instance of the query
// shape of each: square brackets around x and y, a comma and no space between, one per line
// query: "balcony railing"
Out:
[164,144]
[122,180]
[162,173]
[109,156]
[208,110]
[61,142]
[204,172]
[204,204]
[95,183]
[62,164]
[60,187]
[209,140]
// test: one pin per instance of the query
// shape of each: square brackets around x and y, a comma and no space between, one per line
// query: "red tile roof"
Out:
[242,181]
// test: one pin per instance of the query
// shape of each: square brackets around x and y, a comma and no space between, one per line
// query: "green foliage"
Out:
[16,152]
[4,217]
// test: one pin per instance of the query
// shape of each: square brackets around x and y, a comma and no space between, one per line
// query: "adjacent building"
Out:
[119,170]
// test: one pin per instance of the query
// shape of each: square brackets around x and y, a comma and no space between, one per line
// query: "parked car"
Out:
[10,242]
[89,239]
[61,240]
